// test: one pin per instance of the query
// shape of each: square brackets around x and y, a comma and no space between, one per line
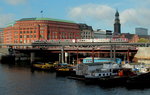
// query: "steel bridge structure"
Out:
[94,48]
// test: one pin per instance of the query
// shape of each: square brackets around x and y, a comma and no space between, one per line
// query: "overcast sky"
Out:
[97,13]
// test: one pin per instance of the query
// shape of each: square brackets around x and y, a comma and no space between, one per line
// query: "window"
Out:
[49,36]
[41,31]
[25,41]
[41,36]
[20,41]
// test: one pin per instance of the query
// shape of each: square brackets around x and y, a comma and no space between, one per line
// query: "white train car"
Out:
[65,40]
[39,41]
[102,40]
[84,40]
[117,40]
[60,40]
[53,41]
[125,40]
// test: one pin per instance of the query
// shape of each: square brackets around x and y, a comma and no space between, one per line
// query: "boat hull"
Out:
[139,81]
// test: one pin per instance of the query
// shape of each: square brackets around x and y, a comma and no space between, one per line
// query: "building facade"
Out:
[86,31]
[141,31]
[1,35]
[102,34]
[117,25]
[27,30]
[133,38]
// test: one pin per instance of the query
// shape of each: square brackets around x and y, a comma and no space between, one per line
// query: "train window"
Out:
[103,74]
[99,74]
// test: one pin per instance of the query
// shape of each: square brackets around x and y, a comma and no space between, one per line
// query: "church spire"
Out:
[117,13]
[117,25]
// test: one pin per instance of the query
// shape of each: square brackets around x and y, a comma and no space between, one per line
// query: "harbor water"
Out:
[18,80]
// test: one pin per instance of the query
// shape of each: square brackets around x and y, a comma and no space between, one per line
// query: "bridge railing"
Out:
[45,45]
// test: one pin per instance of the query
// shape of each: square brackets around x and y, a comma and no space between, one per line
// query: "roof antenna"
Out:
[41,14]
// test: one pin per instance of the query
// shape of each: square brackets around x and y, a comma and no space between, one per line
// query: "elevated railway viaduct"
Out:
[111,50]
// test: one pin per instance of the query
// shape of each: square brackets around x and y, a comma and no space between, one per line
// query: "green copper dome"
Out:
[50,19]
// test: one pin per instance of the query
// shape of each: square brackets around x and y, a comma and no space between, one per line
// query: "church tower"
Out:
[117,25]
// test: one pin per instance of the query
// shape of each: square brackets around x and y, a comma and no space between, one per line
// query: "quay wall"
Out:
[4,51]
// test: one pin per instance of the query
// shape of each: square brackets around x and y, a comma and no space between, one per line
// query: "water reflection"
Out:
[16,80]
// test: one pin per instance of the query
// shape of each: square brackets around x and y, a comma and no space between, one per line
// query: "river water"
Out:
[15,80]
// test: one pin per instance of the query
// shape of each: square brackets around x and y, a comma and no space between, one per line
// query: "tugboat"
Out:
[119,79]
[139,81]
[64,69]
[109,74]
[43,66]
[104,73]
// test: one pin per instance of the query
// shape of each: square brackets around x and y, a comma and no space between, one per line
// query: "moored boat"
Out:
[65,69]
[139,81]
[117,80]
[104,73]
[43,66]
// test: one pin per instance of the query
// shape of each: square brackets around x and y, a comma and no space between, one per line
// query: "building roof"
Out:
[50,19]
[128,35]
[83,26]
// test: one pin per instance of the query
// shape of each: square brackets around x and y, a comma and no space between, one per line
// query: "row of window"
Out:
[86,32]
[22,41]
[26,36]
[26,32]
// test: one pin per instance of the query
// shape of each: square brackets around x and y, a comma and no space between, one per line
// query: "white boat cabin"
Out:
[97,70]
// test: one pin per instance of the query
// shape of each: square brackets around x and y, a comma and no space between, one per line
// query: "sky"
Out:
[99,14]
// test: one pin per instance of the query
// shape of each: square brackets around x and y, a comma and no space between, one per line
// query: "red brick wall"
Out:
[28,31]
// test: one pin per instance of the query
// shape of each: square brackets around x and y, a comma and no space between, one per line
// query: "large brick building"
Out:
[27,30]
[1,35]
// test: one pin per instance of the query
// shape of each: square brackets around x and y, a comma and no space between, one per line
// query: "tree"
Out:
[143,40]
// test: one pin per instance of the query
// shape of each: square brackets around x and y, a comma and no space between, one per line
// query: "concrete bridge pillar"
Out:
[66,56]
[114,48]
[32,57]
[77,55]
[62,54]
[128,56]
[59,58]
[93,54]
[111,53]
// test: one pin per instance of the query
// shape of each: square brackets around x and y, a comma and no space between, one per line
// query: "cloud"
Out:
[5,19]
[15,2]
[103,15]
[139,17]
[96,12]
